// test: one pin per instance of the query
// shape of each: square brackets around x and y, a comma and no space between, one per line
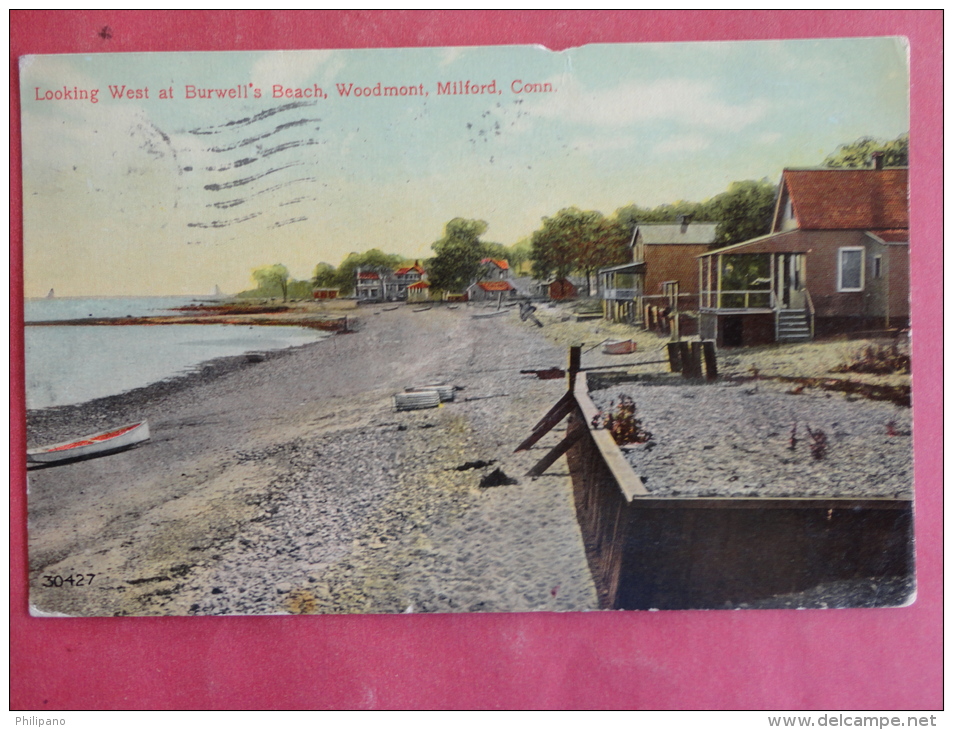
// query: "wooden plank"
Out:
[567,397]
[557,413]
[629,482]
[561,448]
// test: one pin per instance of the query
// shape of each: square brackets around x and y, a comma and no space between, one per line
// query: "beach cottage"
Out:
[406,277]
[418,292]
[663,273]
[483,291]
[836,260]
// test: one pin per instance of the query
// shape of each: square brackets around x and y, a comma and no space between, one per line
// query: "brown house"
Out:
[663,272]
[836,260]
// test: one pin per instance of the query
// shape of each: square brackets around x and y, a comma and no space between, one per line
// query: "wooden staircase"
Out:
[794,325]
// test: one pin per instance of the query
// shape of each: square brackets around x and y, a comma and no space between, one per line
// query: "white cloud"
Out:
[683,101]
[292,68]
[682,143]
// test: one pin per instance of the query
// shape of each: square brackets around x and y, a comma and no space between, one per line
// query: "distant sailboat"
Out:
[216,292]
[51,295]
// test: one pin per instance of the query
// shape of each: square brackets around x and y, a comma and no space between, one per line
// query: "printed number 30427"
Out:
[58,581]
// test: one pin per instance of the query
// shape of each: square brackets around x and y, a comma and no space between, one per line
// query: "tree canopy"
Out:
[272,279]
[456,261]
[743,211]
[324,276]
[576,240]
[859,154]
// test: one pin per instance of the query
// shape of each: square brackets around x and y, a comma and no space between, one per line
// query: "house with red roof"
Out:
[836,260]
[408,276]
[494,270]
[418,292]
[369,286]
[482,291]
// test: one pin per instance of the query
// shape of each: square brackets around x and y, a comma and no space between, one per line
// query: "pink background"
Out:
[886,659]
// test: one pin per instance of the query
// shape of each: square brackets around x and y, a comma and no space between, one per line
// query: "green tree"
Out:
[576,240]
[324,276]
[859,154]
[456,261]
[743,212]
[520,254]
[631,215]
[272,279]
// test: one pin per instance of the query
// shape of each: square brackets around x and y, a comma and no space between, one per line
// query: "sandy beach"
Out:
[293,485]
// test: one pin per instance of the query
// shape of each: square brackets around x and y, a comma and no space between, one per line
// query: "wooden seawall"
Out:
[674,553]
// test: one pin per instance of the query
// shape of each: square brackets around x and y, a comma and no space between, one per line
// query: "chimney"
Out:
[878,160]
[683,221]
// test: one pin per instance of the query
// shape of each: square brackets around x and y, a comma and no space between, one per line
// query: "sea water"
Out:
[73,364]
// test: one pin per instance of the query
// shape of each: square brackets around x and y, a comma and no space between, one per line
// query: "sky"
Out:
[168,194]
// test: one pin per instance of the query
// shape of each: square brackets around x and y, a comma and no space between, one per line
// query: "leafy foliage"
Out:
[272,279]
[743,211]
[576,240]
[859,154]
[456,262]
[324,276]
[622,422]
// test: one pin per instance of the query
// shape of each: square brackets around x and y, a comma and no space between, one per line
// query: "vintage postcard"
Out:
[468,329]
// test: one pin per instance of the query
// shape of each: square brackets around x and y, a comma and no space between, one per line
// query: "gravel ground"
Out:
[293,486]
[733,439]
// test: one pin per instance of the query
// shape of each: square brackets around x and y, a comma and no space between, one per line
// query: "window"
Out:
[878,267]
[850,269]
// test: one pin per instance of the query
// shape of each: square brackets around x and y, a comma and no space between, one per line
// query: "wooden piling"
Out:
[674,357]
[711,363]
[696,361]
[575,362]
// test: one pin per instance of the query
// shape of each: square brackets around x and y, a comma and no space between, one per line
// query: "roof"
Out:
[744,244]
[895,235]
[419,285]
[368,275]
[841,199]
[633,268]
[416,267]
[500,263]
[661,233]
[495,285]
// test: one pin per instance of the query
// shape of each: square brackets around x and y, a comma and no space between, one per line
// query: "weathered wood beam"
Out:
[557,413]
[558,450]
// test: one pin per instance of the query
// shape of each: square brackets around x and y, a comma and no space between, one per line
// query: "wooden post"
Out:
[674,357]
[696,361]
[685,355]
[711,364]
[575,362]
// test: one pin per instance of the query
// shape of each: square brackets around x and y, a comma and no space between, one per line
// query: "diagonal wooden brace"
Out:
[557,413]
[558,450]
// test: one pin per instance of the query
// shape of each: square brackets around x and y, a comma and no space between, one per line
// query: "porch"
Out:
[756,298]
[621,288]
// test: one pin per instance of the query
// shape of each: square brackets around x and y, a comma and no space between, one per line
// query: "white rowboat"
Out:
[97,444]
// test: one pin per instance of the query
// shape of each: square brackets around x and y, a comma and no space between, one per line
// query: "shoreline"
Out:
[293,486]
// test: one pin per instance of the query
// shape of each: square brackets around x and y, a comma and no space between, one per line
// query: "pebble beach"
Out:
[293,485]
